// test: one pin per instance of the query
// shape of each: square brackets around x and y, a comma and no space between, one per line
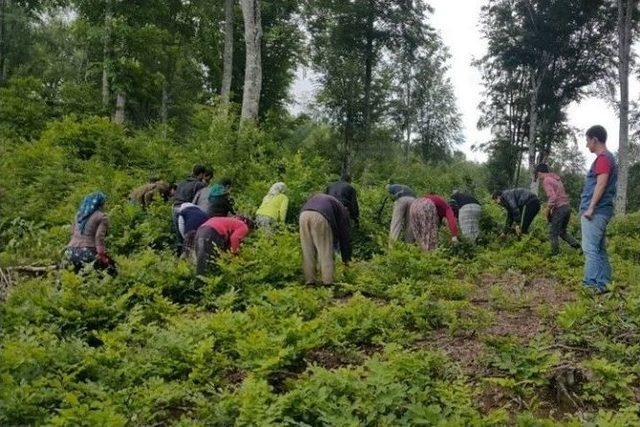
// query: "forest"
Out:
[104,95]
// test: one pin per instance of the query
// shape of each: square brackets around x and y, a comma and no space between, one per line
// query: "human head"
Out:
[497,197]
[346,177]
[198,171]
[596,138]
[208,174]
[226,183]
[278,188]
[248,221]
[542,168]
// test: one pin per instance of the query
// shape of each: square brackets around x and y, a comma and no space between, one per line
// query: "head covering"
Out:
[217,190]
[90,204]
[277,188]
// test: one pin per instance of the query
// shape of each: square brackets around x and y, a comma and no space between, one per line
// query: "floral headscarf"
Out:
[90,204]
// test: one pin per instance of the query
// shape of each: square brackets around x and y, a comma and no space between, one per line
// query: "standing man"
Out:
[344,191]
[521,205]
[596,209]
[558,208]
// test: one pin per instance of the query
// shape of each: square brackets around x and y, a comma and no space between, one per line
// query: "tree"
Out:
[253,66]
[626,10]
[227,66]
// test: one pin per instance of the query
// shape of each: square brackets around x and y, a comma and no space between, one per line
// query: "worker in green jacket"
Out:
[273,210]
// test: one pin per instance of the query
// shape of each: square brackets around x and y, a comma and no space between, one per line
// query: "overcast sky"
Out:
[457,23]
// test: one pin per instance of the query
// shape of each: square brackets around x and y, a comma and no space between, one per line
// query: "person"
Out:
[190,217]
[403,197]
[425,215]
[558,208]
[89,231]
[220,201]
[467,211]
[273,209]
[202,196]
[345,193]
[216,235]
[148,193]
[324,220]
[185,192]
[596,209]
[521,205]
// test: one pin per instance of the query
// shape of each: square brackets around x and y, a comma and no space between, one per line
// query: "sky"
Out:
[457,22]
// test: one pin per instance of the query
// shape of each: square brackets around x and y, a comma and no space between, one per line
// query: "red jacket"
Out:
[232,228]
[444,211]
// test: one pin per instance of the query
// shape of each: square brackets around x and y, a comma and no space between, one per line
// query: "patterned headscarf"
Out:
[277,188]
[90,204]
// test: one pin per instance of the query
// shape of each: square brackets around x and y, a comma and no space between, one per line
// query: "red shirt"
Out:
[444,211]
[232,228]
[603,165]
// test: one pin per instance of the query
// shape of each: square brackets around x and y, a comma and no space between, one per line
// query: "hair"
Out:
[542,167]
[208,171]
[226,182]
[199,170]
[153,179]
[598,132]
[496,194]
[346,177]
[248,221]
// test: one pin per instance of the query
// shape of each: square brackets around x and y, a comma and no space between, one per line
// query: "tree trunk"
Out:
[121,101]
[4,7]
[164,109]
[533,123]
[368,73]
[253,67]
[625,10]
[106,42]
[227,66]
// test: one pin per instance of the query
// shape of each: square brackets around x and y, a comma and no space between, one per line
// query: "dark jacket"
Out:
[399,190]
[345,193]
[458,200]
[186,190]
[514,200]
[220,202]
[338,217]
[193,218]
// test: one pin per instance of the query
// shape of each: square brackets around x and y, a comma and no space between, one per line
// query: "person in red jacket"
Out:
[425,216]
[219,234]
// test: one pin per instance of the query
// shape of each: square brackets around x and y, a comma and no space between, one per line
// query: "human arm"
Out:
[344,236]
[451,221]
[239,232]
[284,205]
[601,184]
[101,233]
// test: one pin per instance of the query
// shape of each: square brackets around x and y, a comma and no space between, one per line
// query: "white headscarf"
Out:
[277,188]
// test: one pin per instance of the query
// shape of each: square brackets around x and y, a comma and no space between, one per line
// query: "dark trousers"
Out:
[208,244]
[529,212]
[558,222]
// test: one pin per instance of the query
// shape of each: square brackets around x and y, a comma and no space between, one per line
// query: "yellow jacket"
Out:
[274,207]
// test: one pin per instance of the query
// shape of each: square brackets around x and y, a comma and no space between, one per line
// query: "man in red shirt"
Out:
[219,234]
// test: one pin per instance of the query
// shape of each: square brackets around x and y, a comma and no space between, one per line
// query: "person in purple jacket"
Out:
[558,208]
[323,221]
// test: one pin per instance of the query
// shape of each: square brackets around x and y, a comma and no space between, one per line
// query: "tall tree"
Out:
[626,9]
[253,67]
[227,67]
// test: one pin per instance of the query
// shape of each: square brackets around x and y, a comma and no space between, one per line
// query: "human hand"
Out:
[588,213]
[518,231]
[454,239]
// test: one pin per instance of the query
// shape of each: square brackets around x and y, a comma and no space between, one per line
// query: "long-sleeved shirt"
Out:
[201,199]
[513,201]
[147,193]
[554,189]
[94,232]
[274,207]
[186,190]
[399,190]
[337,216]
[444,211]
[345,193]
[190,218]
[232,228]
[458,200]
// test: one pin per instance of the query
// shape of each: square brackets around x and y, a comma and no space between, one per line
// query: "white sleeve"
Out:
[181,225]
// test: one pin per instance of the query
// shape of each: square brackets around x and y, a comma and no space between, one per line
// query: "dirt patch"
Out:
[234,376]
[329,358]
[467,351]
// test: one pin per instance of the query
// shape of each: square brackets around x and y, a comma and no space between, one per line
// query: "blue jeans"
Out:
[597,269]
